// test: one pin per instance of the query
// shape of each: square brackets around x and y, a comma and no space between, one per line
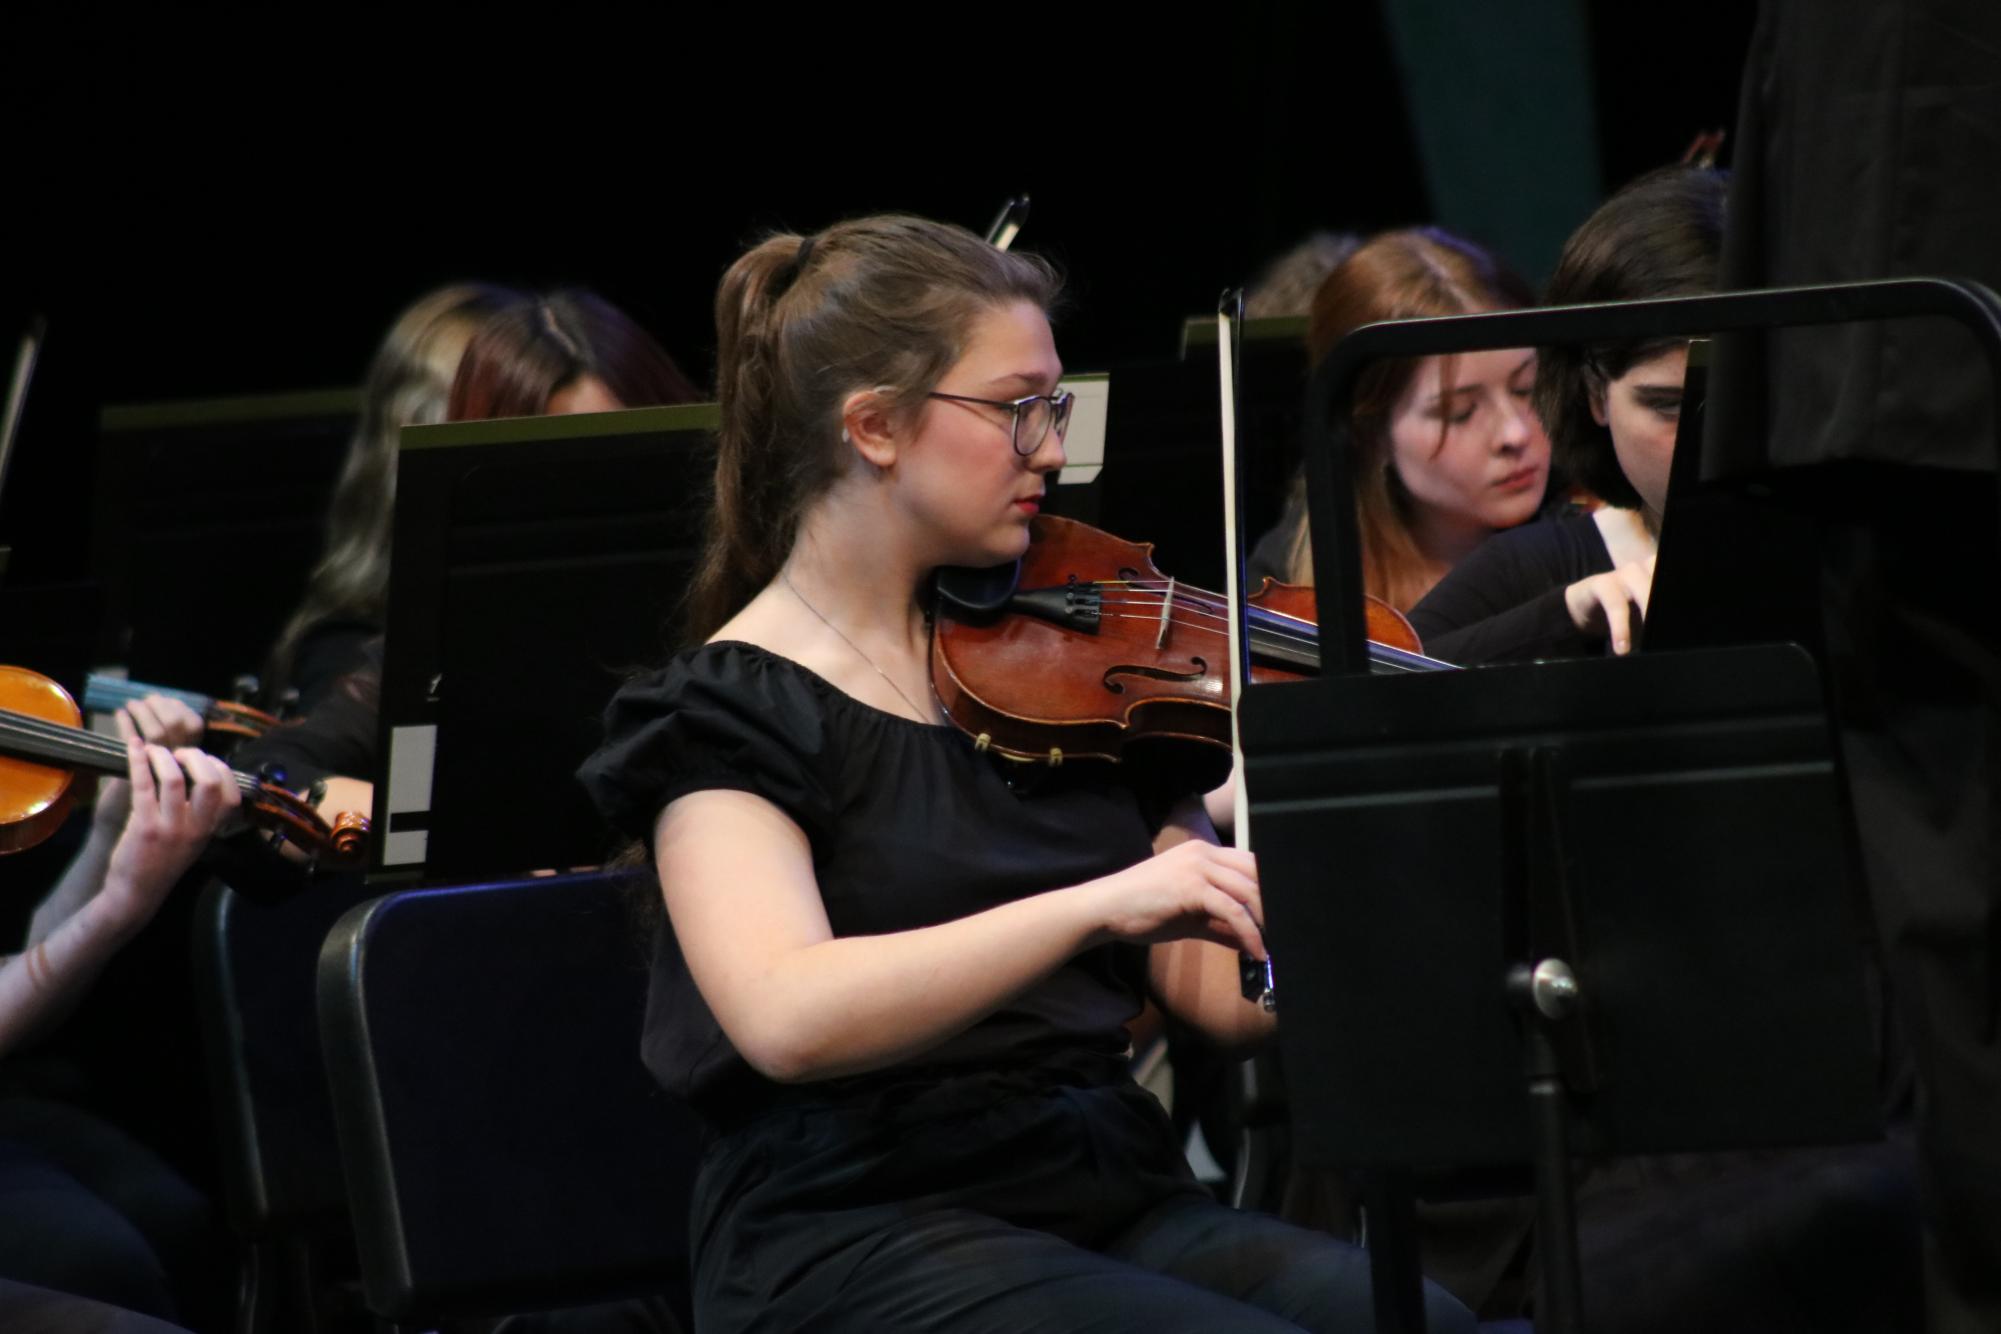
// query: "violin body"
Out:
[1095,654]
[34,798]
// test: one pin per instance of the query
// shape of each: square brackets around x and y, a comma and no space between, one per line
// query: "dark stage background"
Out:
[242,209]
[204,210]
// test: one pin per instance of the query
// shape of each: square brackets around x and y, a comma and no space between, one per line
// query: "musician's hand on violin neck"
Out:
[156,720]
[1611,604]
[178,800]
[1193,891]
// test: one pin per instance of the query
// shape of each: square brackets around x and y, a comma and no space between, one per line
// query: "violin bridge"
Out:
[1166,613]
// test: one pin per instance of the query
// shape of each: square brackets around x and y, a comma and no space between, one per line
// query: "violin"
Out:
[1083,649]
[43,747]
[108,694]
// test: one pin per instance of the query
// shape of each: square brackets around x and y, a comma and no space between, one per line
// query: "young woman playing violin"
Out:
[899,971]
[86,1211]
[1578,585]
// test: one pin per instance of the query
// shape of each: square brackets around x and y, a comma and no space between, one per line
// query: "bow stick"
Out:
[1255,975]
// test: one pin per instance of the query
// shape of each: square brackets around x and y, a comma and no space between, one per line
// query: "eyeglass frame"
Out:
[1060,405]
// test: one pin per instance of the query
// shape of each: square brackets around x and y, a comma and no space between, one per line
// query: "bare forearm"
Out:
[801,1003]
[81,879]
[859,1003]
[41,984]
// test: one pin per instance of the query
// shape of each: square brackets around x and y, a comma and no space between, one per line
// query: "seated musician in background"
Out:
[567,351]
[1577,585]
[1446,449]
[407,385]
[86,1211]
[899,971]
[127,1211]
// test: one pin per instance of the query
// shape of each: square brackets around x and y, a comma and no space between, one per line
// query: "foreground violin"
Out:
[1083,649]
[43,748]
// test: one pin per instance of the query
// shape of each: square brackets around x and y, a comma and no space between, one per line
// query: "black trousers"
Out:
[1190,1265]
[86,1210]
[30,1310]
[1036,1199]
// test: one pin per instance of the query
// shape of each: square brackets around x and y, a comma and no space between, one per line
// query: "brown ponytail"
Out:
[883,302]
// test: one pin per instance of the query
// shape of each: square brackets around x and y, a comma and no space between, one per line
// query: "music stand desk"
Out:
[1667,829]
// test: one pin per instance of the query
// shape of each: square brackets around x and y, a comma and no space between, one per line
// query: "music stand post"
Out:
[1545,997]
[1584,978]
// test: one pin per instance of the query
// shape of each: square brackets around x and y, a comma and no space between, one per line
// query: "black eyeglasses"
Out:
[1034,417]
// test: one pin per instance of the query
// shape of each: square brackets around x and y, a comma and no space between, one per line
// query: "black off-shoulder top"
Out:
[909,826]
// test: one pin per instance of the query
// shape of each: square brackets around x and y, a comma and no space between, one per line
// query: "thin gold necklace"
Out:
[923,715]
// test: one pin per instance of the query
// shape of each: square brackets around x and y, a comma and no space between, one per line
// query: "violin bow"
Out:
[1007,224]
[17,390]
[1255,975]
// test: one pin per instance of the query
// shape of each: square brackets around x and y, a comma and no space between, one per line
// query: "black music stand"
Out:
[236,484]
[1606,906]
[538,562]
[1596,907]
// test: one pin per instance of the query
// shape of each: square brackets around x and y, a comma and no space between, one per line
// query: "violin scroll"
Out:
[289,818]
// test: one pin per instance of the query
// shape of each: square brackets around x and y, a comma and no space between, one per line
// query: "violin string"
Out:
[1193,606]
[1207,623]
[85,745]
[1209,603]
[1196,596]
[1294,630]
[80,737]
[1277,639]
[1213,604]
[1262,632]
[1269,629]
[1259,640]
[1277,623]
[75,739]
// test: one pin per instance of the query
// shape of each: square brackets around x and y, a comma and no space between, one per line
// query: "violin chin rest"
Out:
[980,592]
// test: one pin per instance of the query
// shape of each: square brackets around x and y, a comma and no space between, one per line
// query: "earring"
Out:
[844,436]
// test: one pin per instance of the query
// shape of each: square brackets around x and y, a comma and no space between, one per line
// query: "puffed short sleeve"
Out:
[721,716]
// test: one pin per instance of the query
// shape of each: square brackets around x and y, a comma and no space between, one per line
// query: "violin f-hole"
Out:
[1200,670]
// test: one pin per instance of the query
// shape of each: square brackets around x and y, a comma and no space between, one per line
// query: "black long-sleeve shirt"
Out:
[1504,602]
